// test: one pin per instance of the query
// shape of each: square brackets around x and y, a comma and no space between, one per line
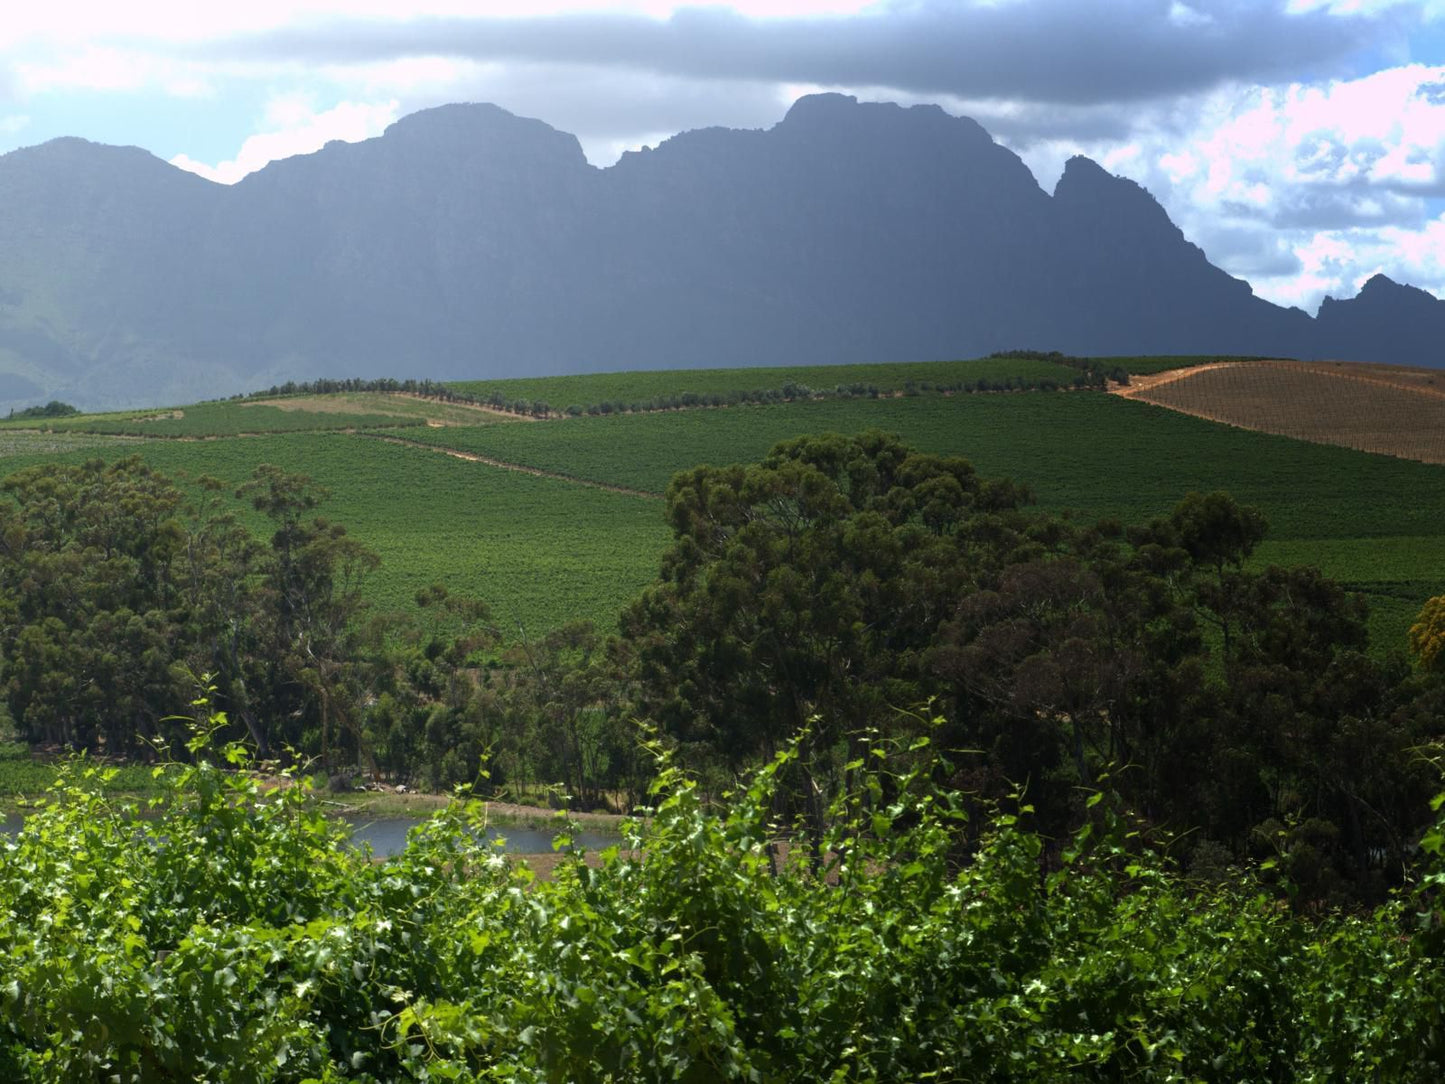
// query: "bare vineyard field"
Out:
[1389,410]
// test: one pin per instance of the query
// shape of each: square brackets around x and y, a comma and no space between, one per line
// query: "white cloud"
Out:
[14,123]
[1184,15]
[166,20]
[406,76]
[296,129]
[1305,190]
[108,68]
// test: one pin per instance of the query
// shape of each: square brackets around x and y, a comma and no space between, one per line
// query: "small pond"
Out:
[387,835]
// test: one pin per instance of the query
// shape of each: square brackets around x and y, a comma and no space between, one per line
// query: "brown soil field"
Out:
[1389,409]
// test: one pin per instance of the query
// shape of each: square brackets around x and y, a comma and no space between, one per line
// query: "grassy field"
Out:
[543,549]
[227,419]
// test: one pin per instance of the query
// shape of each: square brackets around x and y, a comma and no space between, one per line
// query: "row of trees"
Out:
[53,409]
[1092,374]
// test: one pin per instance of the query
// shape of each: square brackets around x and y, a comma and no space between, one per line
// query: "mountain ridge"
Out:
[468,242]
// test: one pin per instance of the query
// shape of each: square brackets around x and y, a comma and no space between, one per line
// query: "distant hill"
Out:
[467,242]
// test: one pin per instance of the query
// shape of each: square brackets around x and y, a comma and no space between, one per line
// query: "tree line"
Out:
[1091,375]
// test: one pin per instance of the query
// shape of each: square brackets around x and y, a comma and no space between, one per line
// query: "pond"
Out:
[387,835]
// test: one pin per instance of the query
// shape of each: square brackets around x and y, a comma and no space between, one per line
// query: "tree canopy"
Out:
[843,580]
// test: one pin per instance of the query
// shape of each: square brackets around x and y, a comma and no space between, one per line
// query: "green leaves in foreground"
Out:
[231,934]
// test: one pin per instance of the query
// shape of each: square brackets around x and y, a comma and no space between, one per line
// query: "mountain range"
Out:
[466,242]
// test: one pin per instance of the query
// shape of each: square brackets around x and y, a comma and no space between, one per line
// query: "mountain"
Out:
[1385,320]
[468,242]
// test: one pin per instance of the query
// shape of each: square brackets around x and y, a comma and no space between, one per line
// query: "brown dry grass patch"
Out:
[395,404]
[1389,409]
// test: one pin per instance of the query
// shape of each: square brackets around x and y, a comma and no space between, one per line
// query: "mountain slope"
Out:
[467,242]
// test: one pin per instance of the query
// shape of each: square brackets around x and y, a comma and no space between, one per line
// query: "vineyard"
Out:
[227,419]
[627,388]
[819,683]
[1385,410]
[540,549]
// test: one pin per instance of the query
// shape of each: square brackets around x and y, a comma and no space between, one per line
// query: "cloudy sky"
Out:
[1300,143]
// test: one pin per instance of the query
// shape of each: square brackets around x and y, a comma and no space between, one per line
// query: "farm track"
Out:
[521,468]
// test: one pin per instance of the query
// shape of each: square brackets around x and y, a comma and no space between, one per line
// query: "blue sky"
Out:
[1300,143]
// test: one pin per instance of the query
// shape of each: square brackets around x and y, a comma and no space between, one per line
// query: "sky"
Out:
[1299,143]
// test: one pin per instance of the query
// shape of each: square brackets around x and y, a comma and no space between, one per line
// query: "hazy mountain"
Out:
[1386,321]
[469,242]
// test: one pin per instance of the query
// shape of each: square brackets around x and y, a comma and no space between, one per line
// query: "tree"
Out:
[1427,635]
[801,596]
[309,595]
[91,602]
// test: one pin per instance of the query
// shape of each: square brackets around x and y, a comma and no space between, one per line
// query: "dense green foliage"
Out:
[118,588]
[114,587]
[842,577]
[53,409]
[229,936]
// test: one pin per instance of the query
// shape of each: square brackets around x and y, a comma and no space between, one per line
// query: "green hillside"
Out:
[543,549]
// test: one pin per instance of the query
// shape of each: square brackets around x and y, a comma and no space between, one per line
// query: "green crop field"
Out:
[1373,521]
[1100,455]
[542,549]
[538,550]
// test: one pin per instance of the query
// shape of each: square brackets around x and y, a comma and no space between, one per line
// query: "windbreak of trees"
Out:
[1091,375]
